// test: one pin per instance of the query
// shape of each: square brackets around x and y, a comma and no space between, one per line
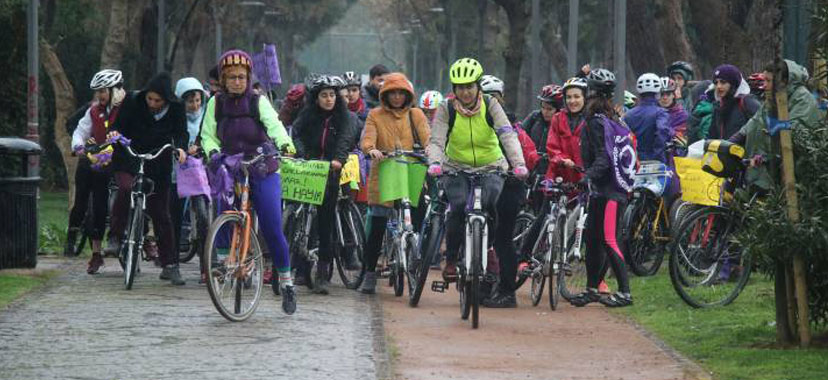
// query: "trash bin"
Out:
[18,203]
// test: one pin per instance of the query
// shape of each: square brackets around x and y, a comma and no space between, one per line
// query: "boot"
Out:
[369,284]
[351,260]
[171,272]
[320,281]
[71,240]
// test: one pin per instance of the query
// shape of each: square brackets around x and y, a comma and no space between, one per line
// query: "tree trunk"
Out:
[783,327]
[64,107]
[517,14]
[115,41]
[670,23]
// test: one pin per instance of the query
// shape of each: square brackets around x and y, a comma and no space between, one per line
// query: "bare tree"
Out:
[113,48]
[517,14]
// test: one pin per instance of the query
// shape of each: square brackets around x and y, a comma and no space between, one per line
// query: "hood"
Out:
[185,85]
[742,90]
[397,81]
[797,75]
[161,84]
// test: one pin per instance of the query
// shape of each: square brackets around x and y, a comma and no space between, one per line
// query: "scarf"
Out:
[357,106]
[468,112]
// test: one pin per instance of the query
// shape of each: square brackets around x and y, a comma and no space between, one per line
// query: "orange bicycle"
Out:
[234,256]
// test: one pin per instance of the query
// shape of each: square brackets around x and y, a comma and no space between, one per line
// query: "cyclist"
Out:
[470,138]
[606,199]
[325,130]
[93,127]
[756,81]
[677,120]
[370,91]
[239,121]
[292,105]
[429,102]
[648,121]
[724,108]
[396,124]
[353,84]
[537,123]
[682,73]
[150,118]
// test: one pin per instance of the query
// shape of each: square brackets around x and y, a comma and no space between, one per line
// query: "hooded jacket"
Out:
[387,129]
[183,86]
[649,122]
[726,116]
[149,132]
[325,135]
[564,142]
[802,113]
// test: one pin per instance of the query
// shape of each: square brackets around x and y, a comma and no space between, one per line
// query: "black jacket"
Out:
[596,161]
[136,123]
[340,138]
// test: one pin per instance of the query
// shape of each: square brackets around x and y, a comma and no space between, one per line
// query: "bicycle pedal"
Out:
[439,286]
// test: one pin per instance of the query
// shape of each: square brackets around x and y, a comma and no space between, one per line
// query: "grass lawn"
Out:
[13,284]
[733,342]
[53,218]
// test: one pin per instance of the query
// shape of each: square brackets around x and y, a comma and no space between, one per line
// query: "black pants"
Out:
[508,207]
[88,181]
[458,191]
[325,218]
[176,214]
[602,244]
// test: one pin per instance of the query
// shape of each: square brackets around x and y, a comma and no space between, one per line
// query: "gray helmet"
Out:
[352,79]
[601,82]
[680,67]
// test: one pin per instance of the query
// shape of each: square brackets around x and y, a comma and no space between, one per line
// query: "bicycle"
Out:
[646,225]
[472,259]
[133,238]
[428,245]
[707,267]
[348,237]
[235,268]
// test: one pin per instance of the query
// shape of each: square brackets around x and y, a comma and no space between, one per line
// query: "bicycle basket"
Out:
[654,176]
[722,158]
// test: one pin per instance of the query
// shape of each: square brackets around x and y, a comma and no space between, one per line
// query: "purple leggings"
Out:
[266,194]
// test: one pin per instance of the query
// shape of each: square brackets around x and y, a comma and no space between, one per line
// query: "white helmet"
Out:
[648,83]
[106,79]
[430,100]
[491,83]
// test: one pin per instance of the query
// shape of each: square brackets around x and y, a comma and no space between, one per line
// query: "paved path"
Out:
[89,327]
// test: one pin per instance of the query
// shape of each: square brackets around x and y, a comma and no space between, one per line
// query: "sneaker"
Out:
[369,284]
[288,299]
[113,245]
[171,272]
[603,288]
[95,263]
[320,281]
[501,300]
[450,272]
[617,300]
[585,298]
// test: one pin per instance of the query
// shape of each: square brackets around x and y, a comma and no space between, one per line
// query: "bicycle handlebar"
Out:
[146,156]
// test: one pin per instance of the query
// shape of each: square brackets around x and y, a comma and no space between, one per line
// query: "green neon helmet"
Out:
[465,70]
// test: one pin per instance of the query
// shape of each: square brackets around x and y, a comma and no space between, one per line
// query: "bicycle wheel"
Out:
[640,225]
[354,238]
[522,223]
[557,252]
[463,284]
[234,285]
[429,246]
[538,276]
[572,276]
[707,267]
[476,272]
[397,275]
[131,247]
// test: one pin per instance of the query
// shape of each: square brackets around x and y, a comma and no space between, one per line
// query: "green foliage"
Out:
[733,342]
[53,218]
[770,236]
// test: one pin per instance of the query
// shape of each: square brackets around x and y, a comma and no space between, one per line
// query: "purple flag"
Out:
[266,67]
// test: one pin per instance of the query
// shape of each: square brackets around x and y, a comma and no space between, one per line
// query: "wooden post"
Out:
[789,181]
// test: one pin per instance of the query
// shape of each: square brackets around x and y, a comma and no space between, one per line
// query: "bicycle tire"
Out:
[356,229]
[218,275]
[522,223]
[463,284]
[697,262]
[557,250]
[429,246]
[397,271]
[132,245]
[572,276]
[476,272]
[645,253]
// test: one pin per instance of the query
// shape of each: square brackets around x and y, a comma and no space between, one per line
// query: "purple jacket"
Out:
[678,119]
[650,124]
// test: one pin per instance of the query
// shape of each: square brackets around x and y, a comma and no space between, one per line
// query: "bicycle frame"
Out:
[475,213]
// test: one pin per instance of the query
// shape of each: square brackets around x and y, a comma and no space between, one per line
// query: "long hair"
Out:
[599,104]
[312,116]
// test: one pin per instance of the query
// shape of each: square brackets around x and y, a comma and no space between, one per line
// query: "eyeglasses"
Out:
[240,78]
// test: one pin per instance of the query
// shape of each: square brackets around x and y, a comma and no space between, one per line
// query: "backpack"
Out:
[620,146]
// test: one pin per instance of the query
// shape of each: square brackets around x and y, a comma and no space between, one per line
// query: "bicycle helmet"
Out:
[756,81]
[430,100]
[648,83]
[491,83]
[629,99]
[601,82]
[338,81]
[576,82]
[680,67]
[465,71]
[352,79]
[322,82]
[106,78]
[667,84]
[551,93]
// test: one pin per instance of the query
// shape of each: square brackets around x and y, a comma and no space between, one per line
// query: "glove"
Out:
[78,150]
[288,149]
[521,172]
[775,125]
[435,170]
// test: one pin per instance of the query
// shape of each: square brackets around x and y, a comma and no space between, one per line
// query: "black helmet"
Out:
[601,82]
[680,67]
